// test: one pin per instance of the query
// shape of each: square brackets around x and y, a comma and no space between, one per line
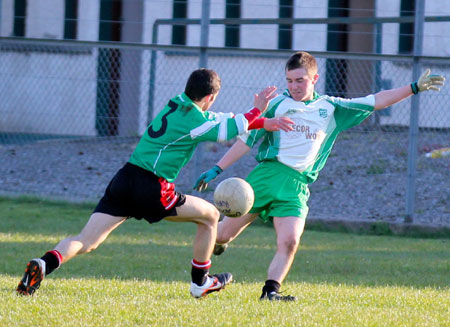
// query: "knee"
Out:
[211,216]
[289,244]
[215,215]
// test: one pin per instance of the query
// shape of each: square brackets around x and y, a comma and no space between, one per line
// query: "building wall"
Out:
[6,18]
[49,91]
[45,19]
[435,43]
[310,37]
[73,89]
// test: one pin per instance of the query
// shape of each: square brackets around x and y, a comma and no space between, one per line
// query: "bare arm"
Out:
[236,152]
[426,82]
[387,98]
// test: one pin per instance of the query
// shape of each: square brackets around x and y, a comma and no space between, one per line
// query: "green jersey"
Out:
[317,123]
[171,138]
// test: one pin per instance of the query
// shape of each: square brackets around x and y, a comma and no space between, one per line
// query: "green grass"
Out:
[140,276]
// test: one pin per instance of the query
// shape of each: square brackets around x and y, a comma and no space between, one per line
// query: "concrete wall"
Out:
[436,43]
[45,20]
[50,92]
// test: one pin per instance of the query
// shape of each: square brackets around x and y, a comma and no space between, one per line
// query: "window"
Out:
[20,10]
[336,69]
[232,10]
[110,25]
[70,19]
[108,69]
[406,37]
[285,30]
[179,31]
[337,33]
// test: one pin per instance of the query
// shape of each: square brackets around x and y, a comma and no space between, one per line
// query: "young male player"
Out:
[144,189]
[290,160]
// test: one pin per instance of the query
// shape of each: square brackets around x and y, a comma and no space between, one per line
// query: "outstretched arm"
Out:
[238,149]
[220,127]
[426,82]
[386,98]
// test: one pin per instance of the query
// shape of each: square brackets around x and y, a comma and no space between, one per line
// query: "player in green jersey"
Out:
[290,160]
[143,188]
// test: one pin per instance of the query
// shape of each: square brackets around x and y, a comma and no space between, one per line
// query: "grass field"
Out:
[140,277]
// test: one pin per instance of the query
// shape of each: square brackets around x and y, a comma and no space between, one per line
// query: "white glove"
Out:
[427,82]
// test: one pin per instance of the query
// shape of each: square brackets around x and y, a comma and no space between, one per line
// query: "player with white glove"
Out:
[290,161]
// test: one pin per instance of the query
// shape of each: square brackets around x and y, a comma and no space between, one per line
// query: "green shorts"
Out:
[280,191]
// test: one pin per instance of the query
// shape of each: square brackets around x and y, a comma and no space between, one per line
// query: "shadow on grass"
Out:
[162,261]
[163,251]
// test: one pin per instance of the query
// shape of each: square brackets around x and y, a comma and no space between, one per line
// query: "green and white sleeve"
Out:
[220,127]
[351,112]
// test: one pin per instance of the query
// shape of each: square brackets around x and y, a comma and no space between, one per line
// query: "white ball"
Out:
[234,197]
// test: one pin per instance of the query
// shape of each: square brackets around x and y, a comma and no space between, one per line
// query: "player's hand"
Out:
[427,82]
[202,182]
[262,99]
[275,124]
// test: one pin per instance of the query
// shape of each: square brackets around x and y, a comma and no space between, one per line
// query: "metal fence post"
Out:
[414,114]
[204,33]
[1,17]
[377,45]
[203,63]
[151,91]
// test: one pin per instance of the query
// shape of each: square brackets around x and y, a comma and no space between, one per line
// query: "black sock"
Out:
[199,275]
[51,262]
[271,286]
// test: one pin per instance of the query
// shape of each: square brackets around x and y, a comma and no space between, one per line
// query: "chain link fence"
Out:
[71,114]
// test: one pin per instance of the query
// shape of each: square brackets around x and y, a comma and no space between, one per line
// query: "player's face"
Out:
[300,84]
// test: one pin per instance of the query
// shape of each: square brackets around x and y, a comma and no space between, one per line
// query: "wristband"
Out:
[252,115]
[414,88]
[218,169]
[257,123]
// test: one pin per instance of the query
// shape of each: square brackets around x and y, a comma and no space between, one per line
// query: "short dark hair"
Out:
[201,83]
[302,59]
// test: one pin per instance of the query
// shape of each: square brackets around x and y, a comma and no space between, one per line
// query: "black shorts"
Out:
[138,193]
